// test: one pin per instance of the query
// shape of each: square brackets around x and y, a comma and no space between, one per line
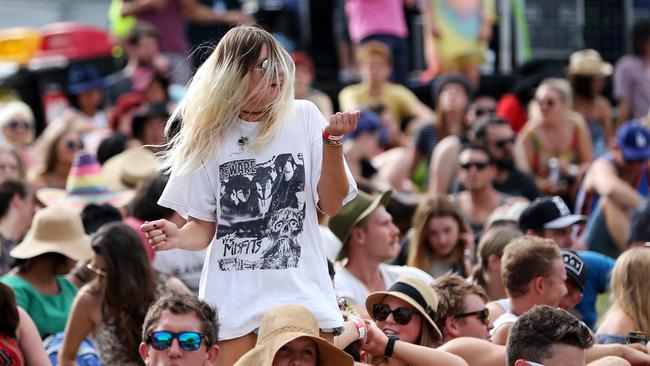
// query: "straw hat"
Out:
[588,63]
[85,184]
[283,324]
[414,291]
[55,230]
[352,213]
[130,167]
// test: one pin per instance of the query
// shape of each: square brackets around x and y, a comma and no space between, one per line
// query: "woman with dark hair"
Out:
[112,307]
[16,213]
[41,279]
[19,340]
[587,72]
[441,240]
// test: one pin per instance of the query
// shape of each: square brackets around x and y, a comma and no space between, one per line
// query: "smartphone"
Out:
[637,337]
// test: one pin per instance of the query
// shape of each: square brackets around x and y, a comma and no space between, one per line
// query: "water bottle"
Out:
[554,171]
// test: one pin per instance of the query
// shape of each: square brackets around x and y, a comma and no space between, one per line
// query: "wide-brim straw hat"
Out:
[415,292]
[55,230]
[352,213]
[86,184]
[127,169]
[283,324]
[588,63]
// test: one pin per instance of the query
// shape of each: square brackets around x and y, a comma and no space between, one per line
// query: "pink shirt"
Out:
[375,17]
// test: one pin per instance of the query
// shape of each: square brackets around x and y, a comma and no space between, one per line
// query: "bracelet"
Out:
[332,140]
[388,352]
[361,326]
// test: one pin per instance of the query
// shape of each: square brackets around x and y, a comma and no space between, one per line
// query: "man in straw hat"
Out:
[370,239]
[289,335]
[41,281]
[188,320]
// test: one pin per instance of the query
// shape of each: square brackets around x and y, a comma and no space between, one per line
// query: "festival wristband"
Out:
[361,326]
[332,140]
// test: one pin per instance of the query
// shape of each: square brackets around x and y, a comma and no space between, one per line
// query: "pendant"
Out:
[242,142]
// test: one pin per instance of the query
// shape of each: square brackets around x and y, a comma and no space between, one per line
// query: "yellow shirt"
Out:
[398,99]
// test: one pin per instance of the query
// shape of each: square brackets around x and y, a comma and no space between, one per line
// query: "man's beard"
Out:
[506,163]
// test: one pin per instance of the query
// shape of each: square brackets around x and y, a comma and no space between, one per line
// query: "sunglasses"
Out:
[95,270]
[479,165]
[264,66]
[547,102]
[483,315]
[189,341]
[401,316]
[485,112]
[72,145]
[502,143]
[16,124]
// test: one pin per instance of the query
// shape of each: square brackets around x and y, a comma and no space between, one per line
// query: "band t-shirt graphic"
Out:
[263,209]
[267,250]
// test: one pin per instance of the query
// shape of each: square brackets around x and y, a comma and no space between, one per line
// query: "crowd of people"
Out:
[248,222]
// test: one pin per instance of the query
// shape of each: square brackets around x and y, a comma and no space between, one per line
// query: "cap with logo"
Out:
[634,141]
[548,213]
[575,267]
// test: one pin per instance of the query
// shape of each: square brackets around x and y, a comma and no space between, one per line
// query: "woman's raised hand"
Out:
[342,123]
[162,234]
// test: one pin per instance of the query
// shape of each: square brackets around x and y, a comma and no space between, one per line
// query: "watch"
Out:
[388,352]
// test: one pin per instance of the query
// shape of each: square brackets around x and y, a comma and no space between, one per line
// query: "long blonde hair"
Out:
[217,93]
[629,286]
[563,88]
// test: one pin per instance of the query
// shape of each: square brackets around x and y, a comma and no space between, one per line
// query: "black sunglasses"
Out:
[479,165]
[15,124]
[401,316]
[546,102]
[72,145]
[483,315]
[485,111]
[189,341]
[502,143]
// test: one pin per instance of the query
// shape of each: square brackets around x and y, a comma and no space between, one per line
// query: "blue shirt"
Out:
[599,268]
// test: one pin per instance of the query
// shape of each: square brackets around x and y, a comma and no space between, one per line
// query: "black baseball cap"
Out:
[548,213]
[575,267]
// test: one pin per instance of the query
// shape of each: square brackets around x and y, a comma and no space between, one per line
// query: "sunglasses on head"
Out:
[16,124]
[161,340]
[502,143]
[479,165]
[400,315]
[483,315]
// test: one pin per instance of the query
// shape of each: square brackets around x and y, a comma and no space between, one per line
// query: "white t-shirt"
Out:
[349,286]
[186,265]
[267,250]
[331,243]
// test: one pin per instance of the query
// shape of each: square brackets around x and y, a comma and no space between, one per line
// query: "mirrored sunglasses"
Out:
[161,340]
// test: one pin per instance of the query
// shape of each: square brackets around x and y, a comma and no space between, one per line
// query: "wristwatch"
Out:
[388,352]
